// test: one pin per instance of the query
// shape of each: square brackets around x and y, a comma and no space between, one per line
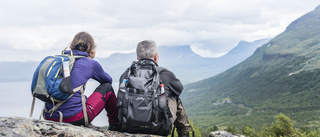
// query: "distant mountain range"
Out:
[187,65]
[282,76]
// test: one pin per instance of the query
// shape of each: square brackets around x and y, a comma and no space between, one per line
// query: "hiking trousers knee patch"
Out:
[104,89]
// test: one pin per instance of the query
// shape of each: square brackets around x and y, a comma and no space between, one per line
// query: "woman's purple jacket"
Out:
[83,70]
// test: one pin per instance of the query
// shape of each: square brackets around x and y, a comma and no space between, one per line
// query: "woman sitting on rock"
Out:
[102,98]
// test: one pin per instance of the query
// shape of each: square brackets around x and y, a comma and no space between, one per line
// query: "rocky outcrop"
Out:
[23,127]
[223,134]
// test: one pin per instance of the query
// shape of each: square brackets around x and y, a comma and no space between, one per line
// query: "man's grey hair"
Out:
[146,49]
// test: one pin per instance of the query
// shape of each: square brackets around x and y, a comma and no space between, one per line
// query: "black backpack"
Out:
[142,106]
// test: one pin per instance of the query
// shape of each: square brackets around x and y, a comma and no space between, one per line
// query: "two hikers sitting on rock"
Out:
[103,97]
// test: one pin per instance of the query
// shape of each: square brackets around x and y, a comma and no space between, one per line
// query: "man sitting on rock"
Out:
[147,50]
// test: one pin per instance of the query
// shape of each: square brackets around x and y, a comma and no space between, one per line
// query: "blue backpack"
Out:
[49,83]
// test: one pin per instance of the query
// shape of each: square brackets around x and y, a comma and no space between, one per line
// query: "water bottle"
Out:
[162,98]
[66,71]
[161,89]
[122,86]
[121,92]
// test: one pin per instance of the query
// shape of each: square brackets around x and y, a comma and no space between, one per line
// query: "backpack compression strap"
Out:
[61,102]
[83,100]
[85,114]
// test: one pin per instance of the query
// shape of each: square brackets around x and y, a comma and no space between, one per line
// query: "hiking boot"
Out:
[113,128]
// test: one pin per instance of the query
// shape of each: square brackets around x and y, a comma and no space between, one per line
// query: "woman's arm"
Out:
[99,74]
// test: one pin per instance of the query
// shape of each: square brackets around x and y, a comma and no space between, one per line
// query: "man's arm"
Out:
[171,82]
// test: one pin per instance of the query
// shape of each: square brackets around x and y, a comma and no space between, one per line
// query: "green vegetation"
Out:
[296,96]
[282,127]
[282,76]
[232,129]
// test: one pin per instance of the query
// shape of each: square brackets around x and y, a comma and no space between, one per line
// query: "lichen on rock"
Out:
[23,127]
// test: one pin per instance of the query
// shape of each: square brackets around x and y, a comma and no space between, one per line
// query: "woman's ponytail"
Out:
[81,46]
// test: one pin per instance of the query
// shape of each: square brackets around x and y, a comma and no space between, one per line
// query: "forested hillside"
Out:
[281,76]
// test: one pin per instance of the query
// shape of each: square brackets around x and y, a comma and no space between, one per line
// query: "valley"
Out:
[282,76]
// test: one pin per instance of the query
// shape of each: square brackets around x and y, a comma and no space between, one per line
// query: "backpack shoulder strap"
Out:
[159,70]
[72,59]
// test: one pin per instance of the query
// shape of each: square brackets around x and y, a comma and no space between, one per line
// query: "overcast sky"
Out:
[32,29]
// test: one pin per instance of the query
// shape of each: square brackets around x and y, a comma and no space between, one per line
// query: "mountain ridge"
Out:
[188,66]
[280,77]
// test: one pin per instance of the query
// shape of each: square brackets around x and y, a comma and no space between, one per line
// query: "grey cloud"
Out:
[119,25]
